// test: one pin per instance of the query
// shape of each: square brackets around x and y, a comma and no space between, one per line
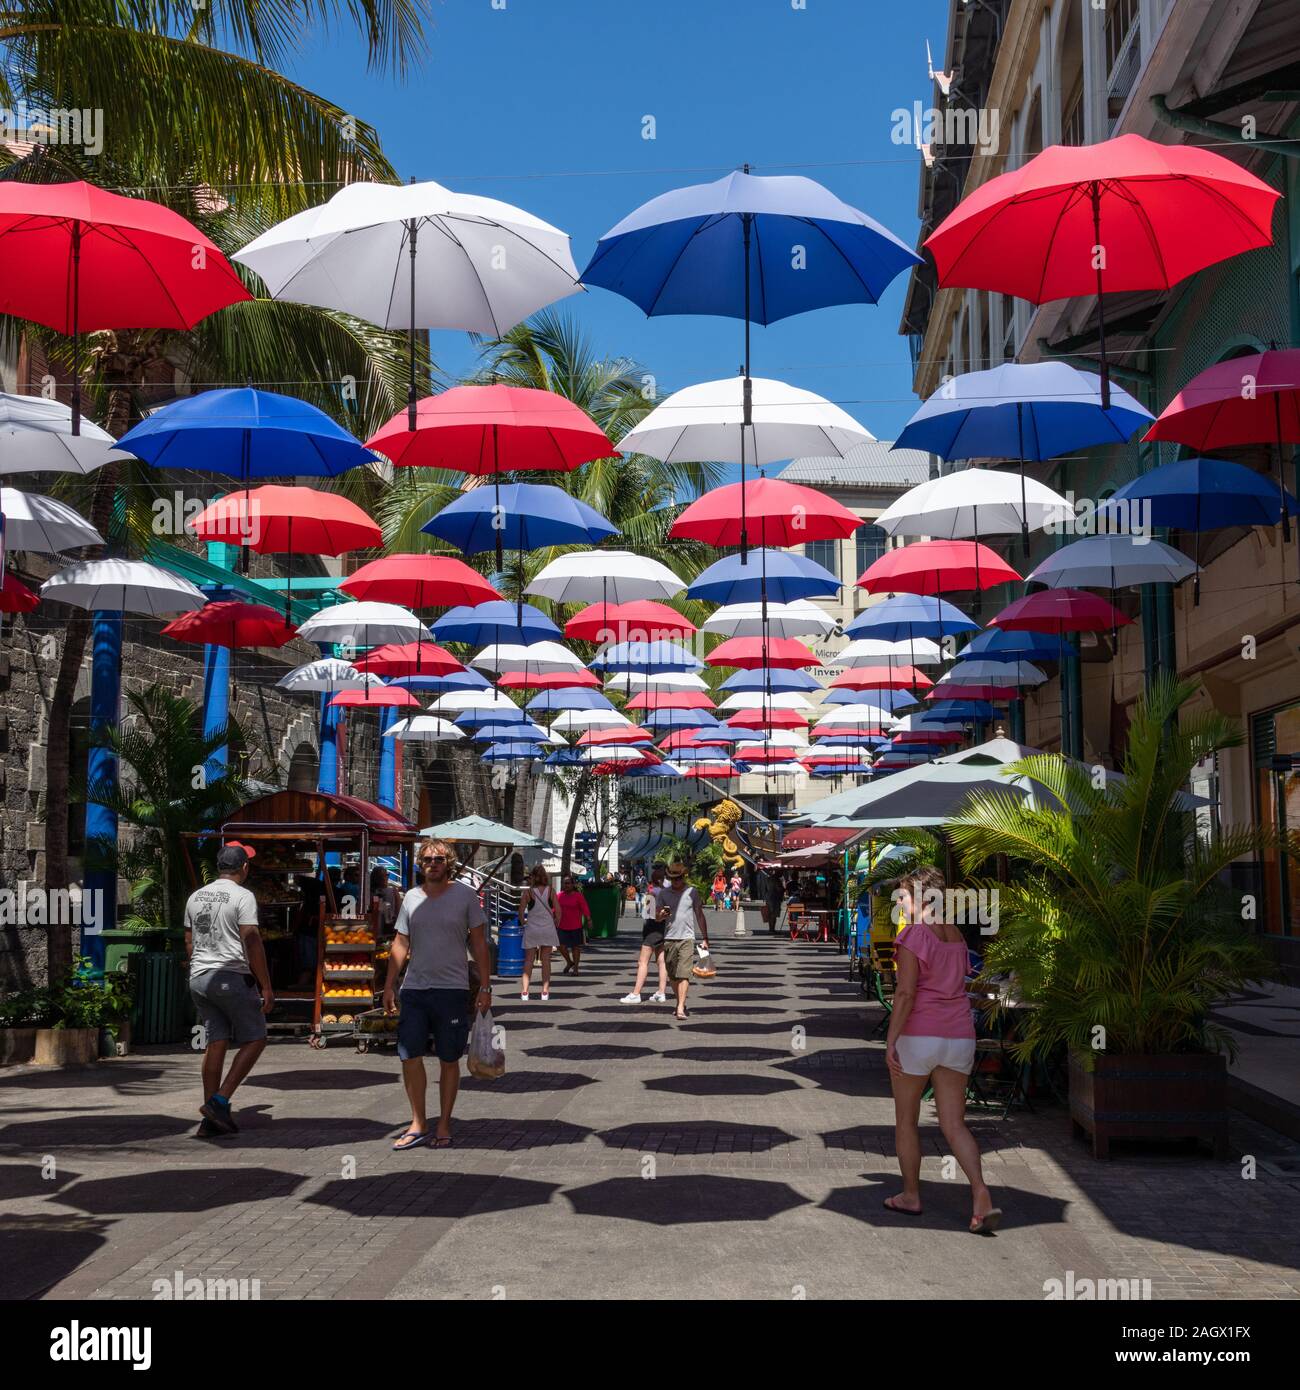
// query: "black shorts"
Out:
[437,1016]
[653,937]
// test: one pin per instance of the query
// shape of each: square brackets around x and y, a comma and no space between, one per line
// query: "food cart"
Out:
[311,877]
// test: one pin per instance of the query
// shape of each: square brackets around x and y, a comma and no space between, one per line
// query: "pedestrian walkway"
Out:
[743,1153]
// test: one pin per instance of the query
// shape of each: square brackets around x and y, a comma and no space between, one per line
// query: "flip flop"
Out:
[988,1223]
[440,1141]
[410,1140]
[888,1205]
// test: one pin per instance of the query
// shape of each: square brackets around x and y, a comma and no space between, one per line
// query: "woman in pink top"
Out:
[932,1040]
[573,913]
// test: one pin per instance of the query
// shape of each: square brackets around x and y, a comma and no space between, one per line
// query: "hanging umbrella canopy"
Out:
[1021,410]
[861,717]
[1005,673]
[409,659]
[418,581]
[1050,610]
[773,738]
[695,719]
[684,251]
[364,624]
[800,618]
[570,721]
[423,728]
[542,658]
[934,567]
[1014,645]
[1204,494]
[36,437]
[514,731]
[647,769]
[740,579]
[950,690]
[718,771]
[670,699]
[659,657]
[882,678]
[942,711]
[232,625]
[375,697]
[776,513]
[43,524]
[871,651]
[16,597]
[616,754]
[629,734]
[768,680]
[518,516]
[658,681]
[457,701]
[613,576]
[907,617]
[327,674]
[761,699]
[276,520]
[511,753]
[126,586]
[505,712]
[453,680]
[768,717]
[974,502]
[1112,562]
[639,621]
[247,434]
[498,621]
[697,738]
[569,697]
[557,680]
[1253,399]
[753,652]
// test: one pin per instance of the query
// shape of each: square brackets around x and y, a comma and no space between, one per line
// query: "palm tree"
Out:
[221,136]
[1116,915]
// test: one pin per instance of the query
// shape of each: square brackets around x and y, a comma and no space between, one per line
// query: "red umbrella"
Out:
[74,257]
[373,698]
[754,653]
[409,659]
[419,581]
[557,680]
[643,621]
[490,430]
[622,735]
[713,772]
[936,567]
[882,678]
[1159,213]
[691,738]
[275,520]
[954,690]
[768,719]
[16,597]
[232,624]
[613,769]
[1059,610]
[670,699]
[786,514]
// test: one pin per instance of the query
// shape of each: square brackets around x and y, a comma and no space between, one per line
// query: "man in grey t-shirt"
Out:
[229,981]
[439,922]
[682,913]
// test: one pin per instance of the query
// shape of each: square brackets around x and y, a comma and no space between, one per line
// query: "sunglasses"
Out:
[434,859]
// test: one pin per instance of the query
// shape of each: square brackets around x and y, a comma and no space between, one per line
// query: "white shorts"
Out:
[920,1055]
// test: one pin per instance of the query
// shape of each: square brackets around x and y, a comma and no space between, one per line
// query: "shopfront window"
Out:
[1275,740]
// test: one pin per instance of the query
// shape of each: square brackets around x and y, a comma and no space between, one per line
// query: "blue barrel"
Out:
[510,948]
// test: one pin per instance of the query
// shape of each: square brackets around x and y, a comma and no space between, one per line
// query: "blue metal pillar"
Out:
[100,885]
[327,776]
[216,671]
[388,716]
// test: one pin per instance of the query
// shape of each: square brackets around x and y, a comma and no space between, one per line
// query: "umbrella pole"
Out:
[747,392]
[244,470]
[288,577]
[1196,579]
[76,328]
[411,229]
[1024,506]
[1101,312]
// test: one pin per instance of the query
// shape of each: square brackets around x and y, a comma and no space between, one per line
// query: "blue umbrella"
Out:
[649,770]
[996,645]
[851,741]
[938,711]
[789,576]
[508,731]
[659,656]
[510,753]
[530,515]
[773,681]
[699,755]
[892,700]
[493,714]
[495,622]
[905,617]
[679,719]
[455,680]
[568,697]
[565,757]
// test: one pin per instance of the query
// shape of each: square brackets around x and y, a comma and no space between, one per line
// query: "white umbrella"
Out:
[36,437]
[760,699]
[797,619]
[1112,562]
[635,681]
[572,721]
[424,728]
[461,700]
[789,769]
[974,502]
[842,717]
[541,658]
[774,738]
[327,675]
[872,651]
[364,624]
[127,586]
[39,523]
[995,673]
[911,723]
[605,576]
[704,422]
[612,753]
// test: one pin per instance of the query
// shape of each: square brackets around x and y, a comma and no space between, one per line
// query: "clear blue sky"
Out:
[541,104]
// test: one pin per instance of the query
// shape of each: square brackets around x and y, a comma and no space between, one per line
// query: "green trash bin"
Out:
[603,899]
[162,1011]
[120,946]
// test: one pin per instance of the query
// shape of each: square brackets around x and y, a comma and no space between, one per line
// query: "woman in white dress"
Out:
[540,938]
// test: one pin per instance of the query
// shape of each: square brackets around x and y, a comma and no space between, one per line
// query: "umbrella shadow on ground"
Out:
[37,1252]
[725,1029]
[519,1007]
[994,1137]
[695,1136]
[590,1052]
[730,995]
[20,1180]
[842,1073]
[180,1190]
[631,1026]
[509,1134]
[700,1000]
[325,1079]
[526,1082]
[945,1206]
[268,1131]
[122,1078]
[72,1132]
[432,1193]
[677,1201]
[719,1084]
[724,1054]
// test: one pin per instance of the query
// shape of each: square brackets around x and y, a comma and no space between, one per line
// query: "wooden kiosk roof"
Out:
[283,812]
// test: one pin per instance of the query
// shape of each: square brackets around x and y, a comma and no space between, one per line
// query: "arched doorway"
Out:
[304,768]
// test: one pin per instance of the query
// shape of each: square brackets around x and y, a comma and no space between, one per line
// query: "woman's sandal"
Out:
[988,1223]
[440,1141]
[410,1140]
[888,1204]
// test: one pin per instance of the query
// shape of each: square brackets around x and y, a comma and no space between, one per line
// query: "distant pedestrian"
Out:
[737,886]
[719,889]
[652,942]
[773,897]
[931,1041]
[573,913]
[229,982]
[540,935]
[682,914]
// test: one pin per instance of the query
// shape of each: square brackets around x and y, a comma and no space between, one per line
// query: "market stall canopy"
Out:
[309,812]
[478,830]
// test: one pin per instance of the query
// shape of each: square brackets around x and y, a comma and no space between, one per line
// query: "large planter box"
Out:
[66,1047]
[1180,1097]
[17,1045]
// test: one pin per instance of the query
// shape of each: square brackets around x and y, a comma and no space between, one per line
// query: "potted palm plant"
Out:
[1118,926]
[72,1022]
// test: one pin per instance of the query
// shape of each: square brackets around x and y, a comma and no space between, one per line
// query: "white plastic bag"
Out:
[485,1059]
